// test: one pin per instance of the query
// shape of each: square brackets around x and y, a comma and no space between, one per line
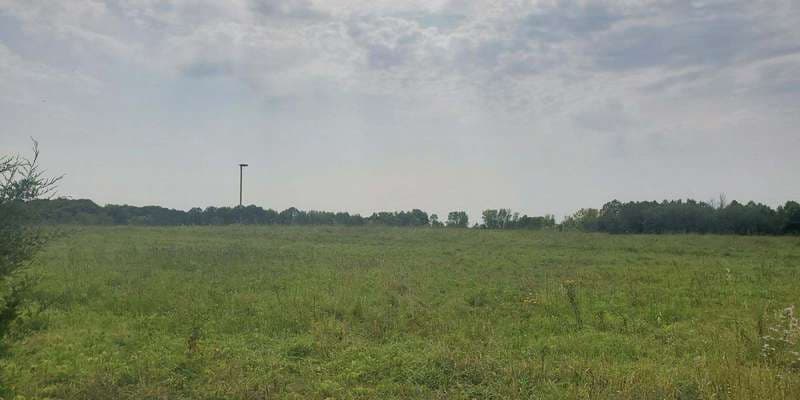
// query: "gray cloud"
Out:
[302,9]
[711,35]
[388,41]
[703,42]
[607,116]
[569,20]
[782,77]
[200,69]
[370,90]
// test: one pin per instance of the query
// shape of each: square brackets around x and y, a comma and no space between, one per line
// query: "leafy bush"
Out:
[21,180]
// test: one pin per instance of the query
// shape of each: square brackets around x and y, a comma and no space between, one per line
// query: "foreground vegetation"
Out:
[376,312]
[21,180]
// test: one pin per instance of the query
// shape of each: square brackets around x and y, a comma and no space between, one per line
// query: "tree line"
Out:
[87,212]
[674,216]
[688,216]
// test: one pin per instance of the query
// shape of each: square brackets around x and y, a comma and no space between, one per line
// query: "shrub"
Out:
[21,180]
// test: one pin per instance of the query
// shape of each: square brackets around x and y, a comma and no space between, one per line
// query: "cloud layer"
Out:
[360,105]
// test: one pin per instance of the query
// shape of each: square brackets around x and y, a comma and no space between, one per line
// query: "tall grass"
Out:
[324,312]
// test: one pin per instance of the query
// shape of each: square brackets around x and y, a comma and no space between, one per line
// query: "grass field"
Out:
[325,312]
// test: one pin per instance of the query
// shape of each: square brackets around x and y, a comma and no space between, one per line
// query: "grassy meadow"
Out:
[399,313]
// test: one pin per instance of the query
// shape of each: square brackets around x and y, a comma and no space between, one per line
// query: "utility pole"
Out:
[241,168]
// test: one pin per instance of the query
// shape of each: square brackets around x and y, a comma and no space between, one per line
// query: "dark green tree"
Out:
[790,217]
[457,219]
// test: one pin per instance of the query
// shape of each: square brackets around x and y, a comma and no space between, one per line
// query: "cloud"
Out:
[569,20]
[300,9]
[698,44]
[705,42]
[497,51]
[25,82]
[388,41]
[605,116]
[500,85]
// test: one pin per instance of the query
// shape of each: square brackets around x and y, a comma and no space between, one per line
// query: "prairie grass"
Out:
[328,312]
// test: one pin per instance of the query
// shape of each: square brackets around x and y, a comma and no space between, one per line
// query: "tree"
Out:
[490,220]
[504,217]
[435,221]
[290,216]
[418,218]
[790,217]
[457,219]
[21,181]
[584,219]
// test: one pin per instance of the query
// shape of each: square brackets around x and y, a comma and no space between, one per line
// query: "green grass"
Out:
[324,312]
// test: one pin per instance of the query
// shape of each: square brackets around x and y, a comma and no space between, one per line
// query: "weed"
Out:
[193,341]
[478,299]
[571,287]
[781,342]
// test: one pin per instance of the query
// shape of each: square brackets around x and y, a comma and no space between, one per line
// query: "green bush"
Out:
[21,180]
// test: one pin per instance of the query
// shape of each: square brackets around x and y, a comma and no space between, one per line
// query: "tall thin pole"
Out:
[241,168]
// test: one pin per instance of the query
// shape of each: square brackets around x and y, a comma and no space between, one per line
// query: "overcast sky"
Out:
[540,106]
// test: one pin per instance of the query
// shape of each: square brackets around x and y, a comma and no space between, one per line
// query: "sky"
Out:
[540,106]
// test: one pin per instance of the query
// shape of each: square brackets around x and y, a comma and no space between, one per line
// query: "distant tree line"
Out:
[87,212]
[676,216]
[688,216]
